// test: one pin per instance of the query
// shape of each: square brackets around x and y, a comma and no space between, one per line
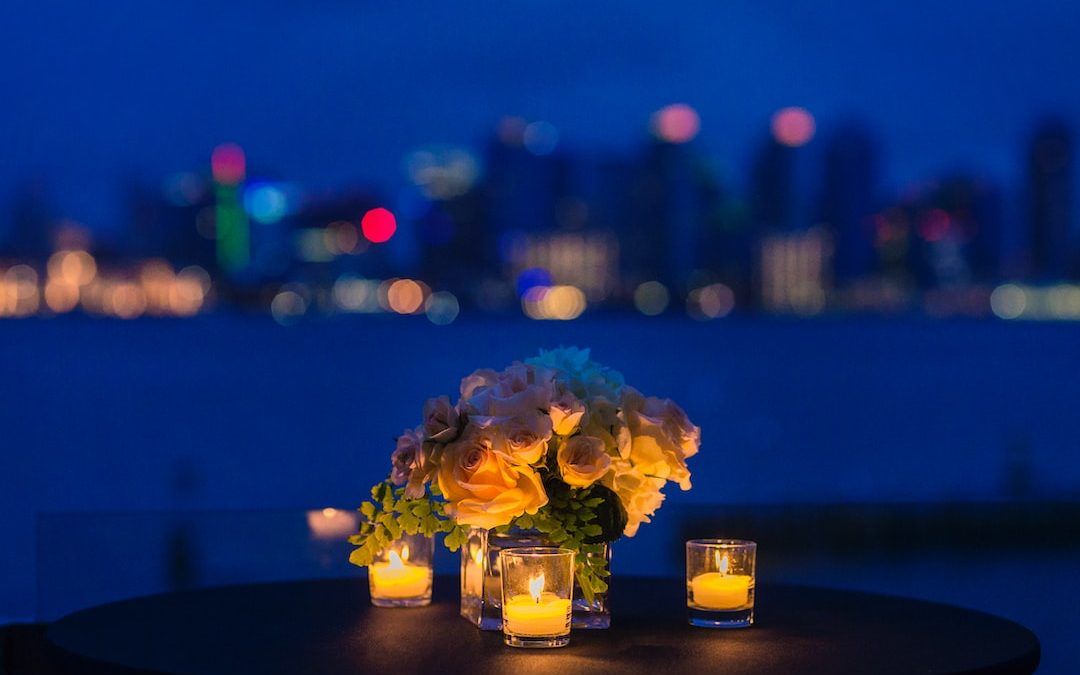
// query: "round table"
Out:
[329,626]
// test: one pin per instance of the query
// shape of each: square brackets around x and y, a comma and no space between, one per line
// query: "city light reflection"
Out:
[793,126]
[676,123]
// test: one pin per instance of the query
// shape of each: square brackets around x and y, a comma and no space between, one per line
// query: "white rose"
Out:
[639,494]
[519,440]
[518,390]
[583,460]
[441,420]
[409,463]
[605,421]
[566,411]
[662,436]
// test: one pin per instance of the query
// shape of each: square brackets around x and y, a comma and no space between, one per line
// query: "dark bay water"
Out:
[228,412]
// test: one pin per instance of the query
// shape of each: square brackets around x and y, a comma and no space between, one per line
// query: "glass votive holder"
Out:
[400,575]
[537,591]
[720,582]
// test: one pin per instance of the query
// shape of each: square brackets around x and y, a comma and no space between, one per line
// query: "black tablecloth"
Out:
[330,627]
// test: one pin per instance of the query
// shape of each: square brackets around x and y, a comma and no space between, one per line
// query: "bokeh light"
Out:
[553,302]
[266,203]
[378,225]
[197,274]
[351,294]
[1063,302]
[61,296]
[288,306]
[540,138]
[20,290]
[342,237]
[443,172]
[405,296]
[331,524]
[228,164]
[442,308]
[511,130]
[676,123]
[793,126]
[1008,301]
[186,296]
[73,267]
[125,300]
[651,298]
[710,302]
[935,225]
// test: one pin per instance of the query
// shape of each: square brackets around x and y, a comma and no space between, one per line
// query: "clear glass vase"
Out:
[481,587]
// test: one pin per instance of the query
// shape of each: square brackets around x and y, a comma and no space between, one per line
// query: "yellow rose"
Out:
[566,411]
[662,437]
[583,460]
[482,488]
[520,440]
[638,492]
[607,423]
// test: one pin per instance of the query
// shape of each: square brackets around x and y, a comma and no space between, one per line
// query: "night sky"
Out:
[328,92]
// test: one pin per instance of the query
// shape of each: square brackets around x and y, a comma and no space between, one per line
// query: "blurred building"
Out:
[1050,176]
[772,187]
[27,235]
[795,271]
[173,221]
[848,201]
[673,199]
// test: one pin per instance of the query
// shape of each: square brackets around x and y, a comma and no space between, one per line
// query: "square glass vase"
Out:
[481,586]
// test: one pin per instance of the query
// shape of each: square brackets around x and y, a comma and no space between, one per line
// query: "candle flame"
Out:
[721,563]
[395,561]
[536,587]
[405,552]
[478,556]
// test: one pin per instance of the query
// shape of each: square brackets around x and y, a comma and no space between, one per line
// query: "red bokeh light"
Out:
[378,225]
[793,127]
[935,225]
[227,163]
[676,123]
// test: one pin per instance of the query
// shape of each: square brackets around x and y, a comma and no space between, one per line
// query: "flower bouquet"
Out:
[558,445]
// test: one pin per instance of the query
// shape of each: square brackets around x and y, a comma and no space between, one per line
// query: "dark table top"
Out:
[329,626]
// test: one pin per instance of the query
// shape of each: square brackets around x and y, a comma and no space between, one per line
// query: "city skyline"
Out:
[150,89]
[564,231]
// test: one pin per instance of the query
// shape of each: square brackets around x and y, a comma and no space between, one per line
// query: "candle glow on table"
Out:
[720,590]
[538,614]
[474,580]
[399,579]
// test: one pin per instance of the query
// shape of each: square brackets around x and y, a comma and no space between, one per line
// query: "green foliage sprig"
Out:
[389,514]
[579,519]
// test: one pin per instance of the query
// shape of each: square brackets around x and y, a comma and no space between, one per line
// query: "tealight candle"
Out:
[537,614]
[401,577]
[537,588]
[720,582]
[720,590]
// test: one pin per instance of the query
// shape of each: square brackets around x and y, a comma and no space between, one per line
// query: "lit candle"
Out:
[538,614]
[331,524]
[720,590]
[399,579]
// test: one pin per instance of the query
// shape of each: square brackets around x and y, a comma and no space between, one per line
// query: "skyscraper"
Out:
[848,200]
[1050,160]
[772,190]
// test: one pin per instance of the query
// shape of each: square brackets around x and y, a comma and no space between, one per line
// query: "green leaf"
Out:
[409,523]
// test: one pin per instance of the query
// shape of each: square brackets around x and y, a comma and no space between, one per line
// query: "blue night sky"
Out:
[326,92]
